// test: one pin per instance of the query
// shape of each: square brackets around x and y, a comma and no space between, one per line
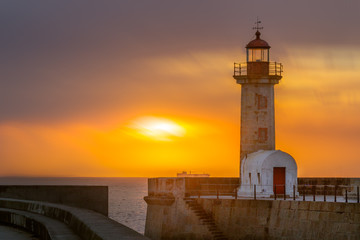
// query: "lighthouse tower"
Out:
[263,169]
[257,78]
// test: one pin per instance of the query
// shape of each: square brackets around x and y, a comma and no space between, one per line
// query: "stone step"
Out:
[208,221]
[194,207]
[219,236]
[192,204]
[199,211]
[203,214]
[212,224]
[206,224]
[205,219]
[189,199]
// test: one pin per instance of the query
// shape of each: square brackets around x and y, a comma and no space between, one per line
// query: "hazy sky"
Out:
[75,76]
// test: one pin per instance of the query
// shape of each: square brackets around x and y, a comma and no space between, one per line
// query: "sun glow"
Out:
[157,128]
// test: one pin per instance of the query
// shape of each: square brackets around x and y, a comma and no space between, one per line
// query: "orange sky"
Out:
[317,120]
[110,112]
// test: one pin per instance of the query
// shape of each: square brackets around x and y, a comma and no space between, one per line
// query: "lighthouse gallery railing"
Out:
[275,69]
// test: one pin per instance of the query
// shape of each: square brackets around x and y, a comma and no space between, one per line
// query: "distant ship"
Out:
[185,174]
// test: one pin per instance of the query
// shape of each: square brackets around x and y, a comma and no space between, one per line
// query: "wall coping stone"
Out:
[84,196]
[86,223]
[40,225]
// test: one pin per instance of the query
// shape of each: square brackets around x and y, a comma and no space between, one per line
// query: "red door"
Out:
[279,180]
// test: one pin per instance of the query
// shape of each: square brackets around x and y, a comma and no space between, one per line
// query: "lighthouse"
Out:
[257,77]
[262,167]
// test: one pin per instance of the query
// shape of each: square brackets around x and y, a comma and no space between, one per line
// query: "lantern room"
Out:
[257,57]
[257,50]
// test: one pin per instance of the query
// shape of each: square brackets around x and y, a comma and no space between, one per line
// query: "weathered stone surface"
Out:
[257,219]
[247,219]
[44,227]
[85,223]
[13,233]
[90,197]
[254,117]
[159,200]
[183,187]
[287,220]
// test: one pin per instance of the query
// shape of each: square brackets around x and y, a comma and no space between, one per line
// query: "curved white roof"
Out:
[267,159]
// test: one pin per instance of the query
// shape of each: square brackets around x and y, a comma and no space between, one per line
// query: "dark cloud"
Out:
[61,58]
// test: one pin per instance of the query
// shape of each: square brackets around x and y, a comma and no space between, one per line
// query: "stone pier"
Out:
[176,212]
[62,213]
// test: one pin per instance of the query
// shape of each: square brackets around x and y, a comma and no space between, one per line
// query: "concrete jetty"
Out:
[54,221]
[186,208]
[7,232]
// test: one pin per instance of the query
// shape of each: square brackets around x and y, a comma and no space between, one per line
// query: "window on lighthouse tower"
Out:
[263,135]
[261,101]
[257,55]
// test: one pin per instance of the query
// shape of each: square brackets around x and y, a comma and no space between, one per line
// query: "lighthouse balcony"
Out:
[267,72]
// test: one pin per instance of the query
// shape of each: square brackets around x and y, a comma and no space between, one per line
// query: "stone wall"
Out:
[330,184]
[327,181]
[188,186]
[173,221]
[90,197]
[170,216]
[270,219]
[257,120]
[56,221]
[211,186]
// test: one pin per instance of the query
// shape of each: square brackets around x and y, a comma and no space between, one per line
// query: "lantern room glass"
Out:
[257,55]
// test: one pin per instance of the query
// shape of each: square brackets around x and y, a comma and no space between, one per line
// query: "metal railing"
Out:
[334,192]
[241,69]
[325,193]
[215,189]
[275,69]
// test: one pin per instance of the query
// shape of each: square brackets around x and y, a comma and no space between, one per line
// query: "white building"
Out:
[265,170]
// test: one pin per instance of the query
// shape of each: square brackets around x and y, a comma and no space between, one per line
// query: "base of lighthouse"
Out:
[267,172]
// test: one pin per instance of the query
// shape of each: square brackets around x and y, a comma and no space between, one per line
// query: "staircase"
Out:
[205,219]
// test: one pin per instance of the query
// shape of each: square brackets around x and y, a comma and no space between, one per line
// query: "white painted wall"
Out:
[260,165]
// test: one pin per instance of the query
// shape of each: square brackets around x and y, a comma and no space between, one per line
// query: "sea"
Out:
[126,195]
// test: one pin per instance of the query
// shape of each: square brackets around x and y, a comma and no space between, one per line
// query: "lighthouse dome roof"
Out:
[266,169]
[258,42]
[267,159]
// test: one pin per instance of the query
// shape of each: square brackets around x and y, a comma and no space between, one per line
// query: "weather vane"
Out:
[257,24]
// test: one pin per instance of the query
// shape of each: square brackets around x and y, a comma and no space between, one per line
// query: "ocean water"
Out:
[126,195]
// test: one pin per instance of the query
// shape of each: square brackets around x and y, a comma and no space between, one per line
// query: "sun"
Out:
[157,128]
